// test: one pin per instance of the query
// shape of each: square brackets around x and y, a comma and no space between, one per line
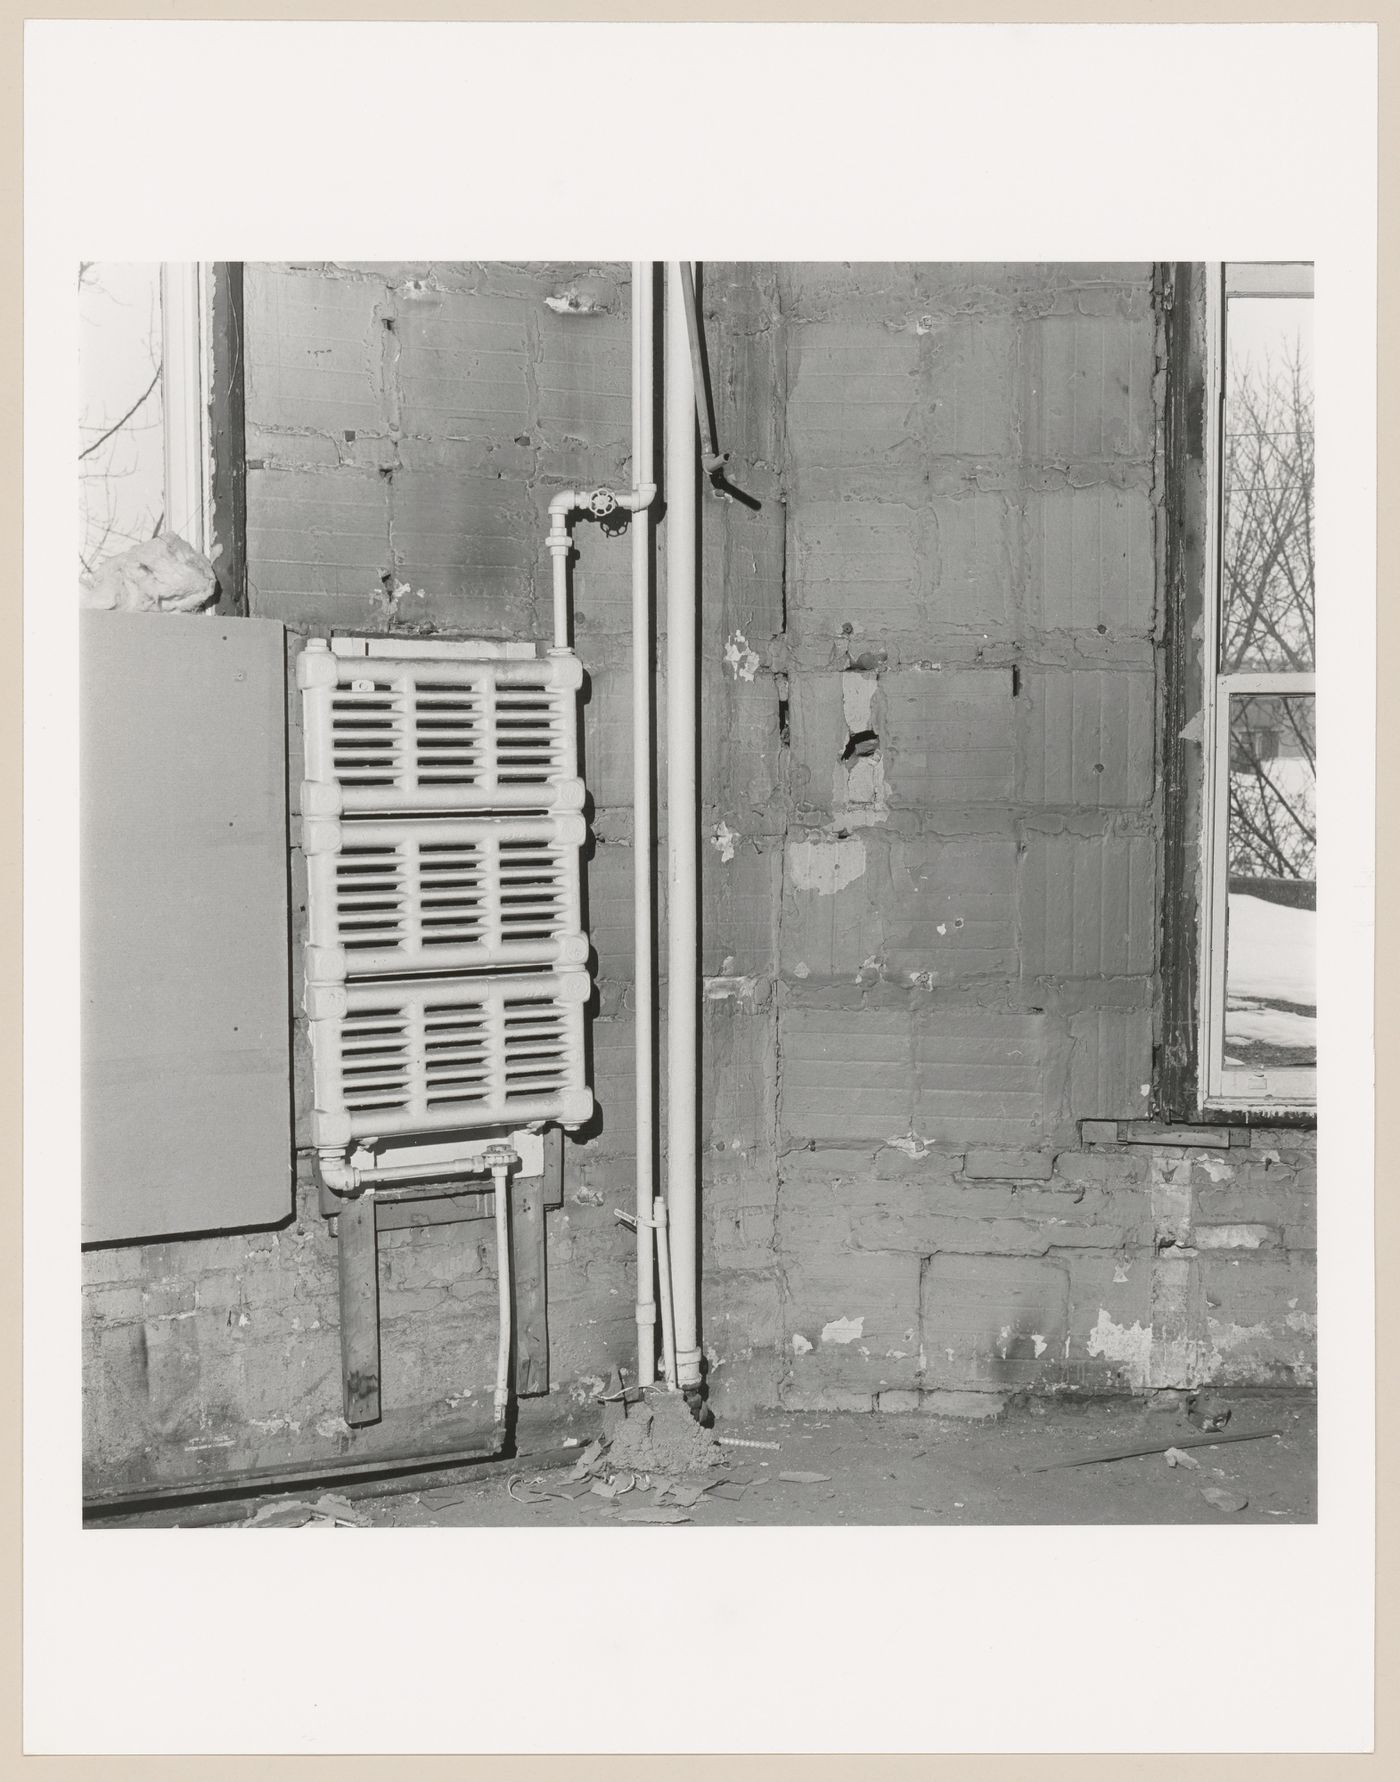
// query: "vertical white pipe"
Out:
[682,1004]
[558,543]
[500,1171]
[663,1271]
[642,845]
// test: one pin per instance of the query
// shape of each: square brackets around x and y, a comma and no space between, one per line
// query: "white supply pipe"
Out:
[682,1003]
[668,1319]
[643,846]
[599,503]
[501,1158]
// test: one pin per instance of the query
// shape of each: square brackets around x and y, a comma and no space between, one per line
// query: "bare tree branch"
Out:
[117,426]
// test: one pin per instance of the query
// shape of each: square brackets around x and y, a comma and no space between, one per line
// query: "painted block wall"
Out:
[955,962]
[930,927]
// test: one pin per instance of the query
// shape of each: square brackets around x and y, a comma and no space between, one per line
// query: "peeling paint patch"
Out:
[1171,1201]
[1130,1345]
[859,794]
[1225,1337]
[1040,1345]
[272,1425]
[741,658]
[741,988]
[583,297]
[1216,1169]
[857,699]
[723,841]
[843,1330]
[1302,1321]
[911,1143]
[826,866]
[1231,1237]
[800,1345]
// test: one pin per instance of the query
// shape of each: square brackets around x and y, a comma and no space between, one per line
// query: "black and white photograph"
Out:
[554,681]
[699,931]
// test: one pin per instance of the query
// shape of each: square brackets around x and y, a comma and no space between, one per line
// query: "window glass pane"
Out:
[1266,596]
[1270,975]
[121,445]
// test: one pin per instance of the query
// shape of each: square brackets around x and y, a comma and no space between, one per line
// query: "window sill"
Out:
[1155,1132]
[1217,1129]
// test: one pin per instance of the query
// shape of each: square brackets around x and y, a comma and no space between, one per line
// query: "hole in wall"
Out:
[860,742]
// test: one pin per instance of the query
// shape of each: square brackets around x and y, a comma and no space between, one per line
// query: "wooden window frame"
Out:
[1190,1079]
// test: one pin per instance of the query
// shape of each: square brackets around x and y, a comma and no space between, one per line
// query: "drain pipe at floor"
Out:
[643,845]
[682,990]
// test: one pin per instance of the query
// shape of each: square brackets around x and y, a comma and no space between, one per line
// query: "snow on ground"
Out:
[1269,1027]
[1272,953]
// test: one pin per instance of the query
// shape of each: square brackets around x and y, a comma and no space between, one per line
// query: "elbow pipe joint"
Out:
[339,1174]
[597,503]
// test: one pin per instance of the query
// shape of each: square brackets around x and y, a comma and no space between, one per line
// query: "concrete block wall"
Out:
[930,832]
[965,823]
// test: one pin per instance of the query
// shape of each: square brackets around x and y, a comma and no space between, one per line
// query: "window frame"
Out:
[187,329]
[204,467]
[1195,750]
[1290,1090]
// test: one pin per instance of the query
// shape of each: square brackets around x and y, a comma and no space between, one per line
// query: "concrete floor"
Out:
[911,1469]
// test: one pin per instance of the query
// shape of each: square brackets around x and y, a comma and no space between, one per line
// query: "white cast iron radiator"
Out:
[442,823]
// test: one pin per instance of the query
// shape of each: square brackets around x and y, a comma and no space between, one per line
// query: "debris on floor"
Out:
[530,1494]
[673,1491]
[660,1435]
[328,1511]
[1223,1500]
[805,1478]
[1094,1456]
[876,1469]
[1207,1412]
[646,1448]
[281,1515]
